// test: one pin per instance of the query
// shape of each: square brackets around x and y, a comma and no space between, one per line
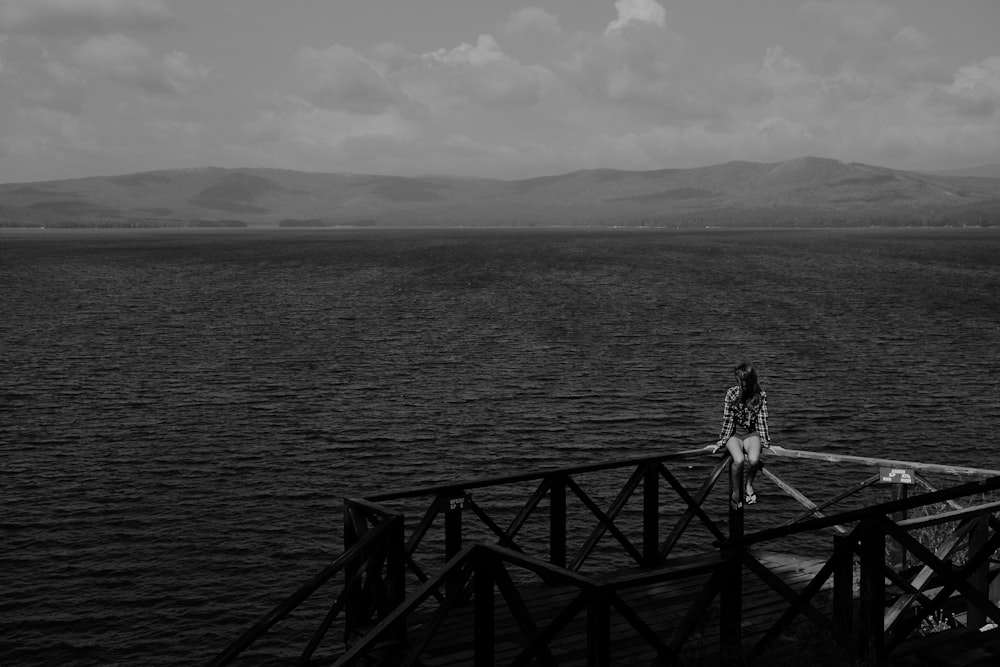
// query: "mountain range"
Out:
[806,191]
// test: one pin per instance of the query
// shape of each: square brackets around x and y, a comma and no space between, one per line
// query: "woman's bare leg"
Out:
[735,447]
[752,447]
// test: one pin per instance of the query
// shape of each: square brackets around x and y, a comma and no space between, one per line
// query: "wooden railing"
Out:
[458,556]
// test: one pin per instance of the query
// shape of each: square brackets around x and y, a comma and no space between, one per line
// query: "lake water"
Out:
[184,411]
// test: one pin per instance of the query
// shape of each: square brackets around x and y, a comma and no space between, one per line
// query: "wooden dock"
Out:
[502,571]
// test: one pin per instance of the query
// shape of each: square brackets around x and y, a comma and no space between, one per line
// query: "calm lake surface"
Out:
[182,412]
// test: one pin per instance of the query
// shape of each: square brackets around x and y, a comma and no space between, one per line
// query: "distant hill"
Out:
[801,192]
[984,171]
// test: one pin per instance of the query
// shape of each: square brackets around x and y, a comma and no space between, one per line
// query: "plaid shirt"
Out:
[735,413]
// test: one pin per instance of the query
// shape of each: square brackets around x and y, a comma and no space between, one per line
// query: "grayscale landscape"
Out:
[267,264]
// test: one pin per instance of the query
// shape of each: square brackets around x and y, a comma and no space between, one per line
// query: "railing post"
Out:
[351,592]
[872,603]
[598,630]
[651,515]
[395,563]
[483,629]
[731,594]
[731,611]
[735,515]
[557,522]
[980,578]
[899,492]
[843,584]
[453,537]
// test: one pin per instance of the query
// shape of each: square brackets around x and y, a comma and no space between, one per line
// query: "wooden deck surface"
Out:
[662,607]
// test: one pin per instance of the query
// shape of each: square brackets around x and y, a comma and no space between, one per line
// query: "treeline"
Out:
[120,223]
[316,222]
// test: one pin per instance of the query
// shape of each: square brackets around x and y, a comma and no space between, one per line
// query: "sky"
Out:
[493,88]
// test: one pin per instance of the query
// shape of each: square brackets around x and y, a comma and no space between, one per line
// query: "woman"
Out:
[744,432]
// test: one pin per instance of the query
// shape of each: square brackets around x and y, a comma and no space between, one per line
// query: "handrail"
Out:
[889,463]
[371,506]
[775,450]
[953,515]
[889,507]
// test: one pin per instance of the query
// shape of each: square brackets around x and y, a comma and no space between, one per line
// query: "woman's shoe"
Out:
[735,504]
[751,499]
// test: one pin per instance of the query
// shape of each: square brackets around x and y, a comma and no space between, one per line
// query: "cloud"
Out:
[29,79]
[636,65]
[532,35]
[975,89]
[485,51]
[297,121]
[87,17]
[128,62]
[532,22]
[870,37]
[780,69]
[298,134]
[479,73]
[340,79]
[864,58]
[55,134]
[854,19]
[638,11]
[632,67]
[67,98]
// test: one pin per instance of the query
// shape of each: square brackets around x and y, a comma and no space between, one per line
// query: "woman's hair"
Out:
[746,376]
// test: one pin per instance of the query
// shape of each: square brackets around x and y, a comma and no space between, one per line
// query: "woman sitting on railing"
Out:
[744,432]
